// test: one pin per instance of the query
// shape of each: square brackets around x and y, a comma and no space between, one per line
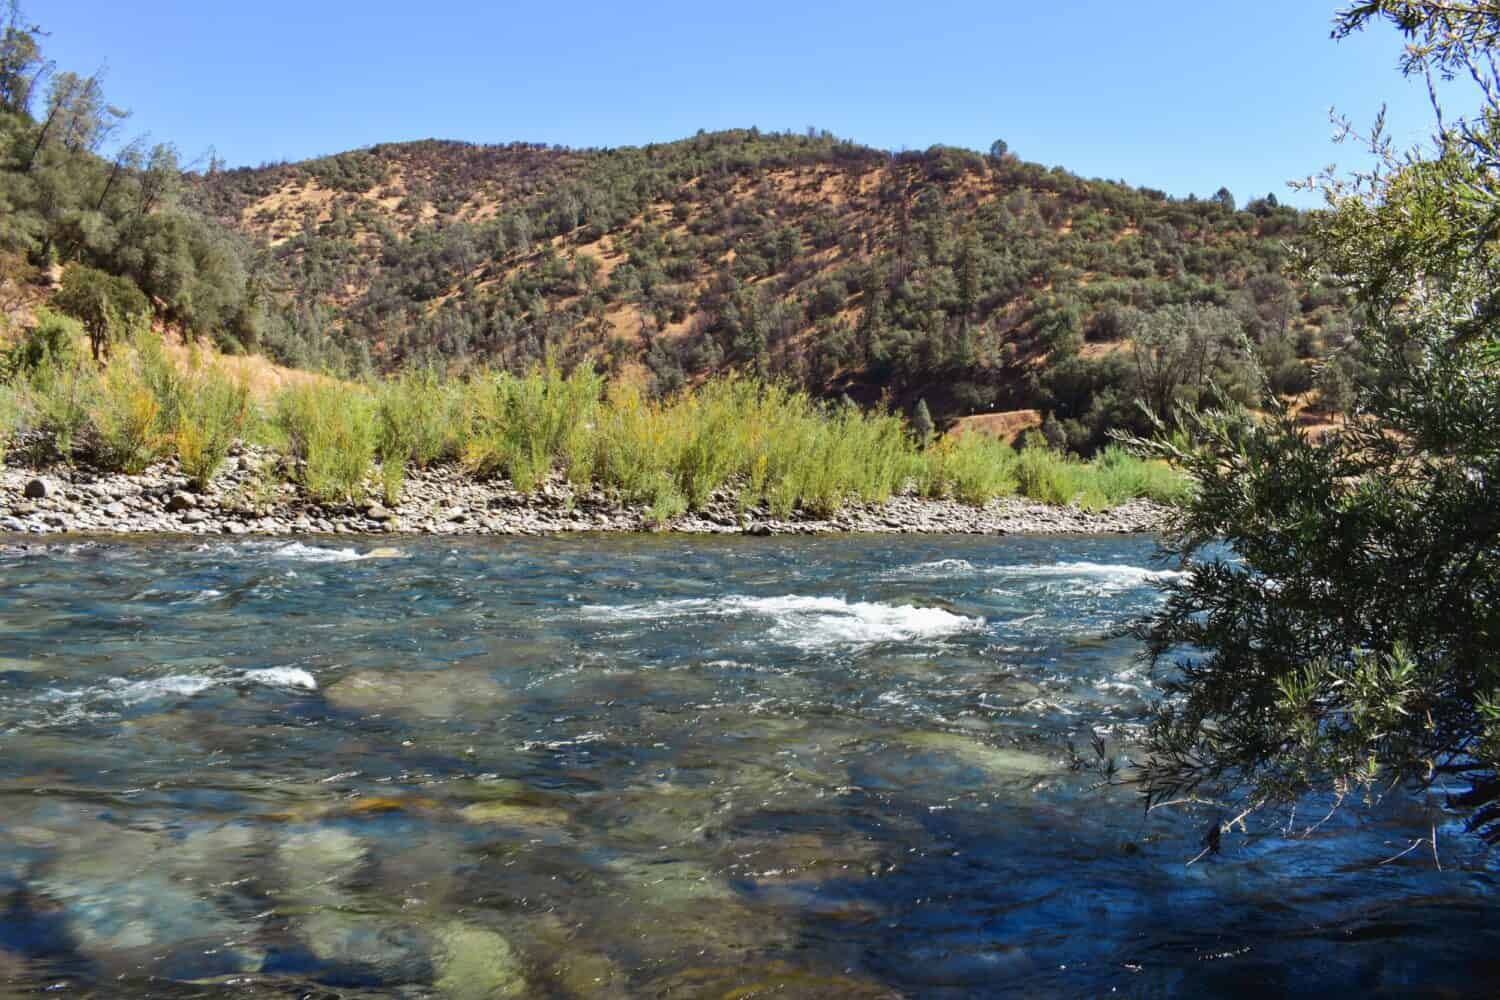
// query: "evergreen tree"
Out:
[922,427]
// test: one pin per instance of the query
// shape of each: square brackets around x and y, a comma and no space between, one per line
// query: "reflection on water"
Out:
[646,767]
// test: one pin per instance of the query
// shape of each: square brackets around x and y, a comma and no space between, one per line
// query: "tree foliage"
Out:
[123,215]
[1349,641]
[108,306]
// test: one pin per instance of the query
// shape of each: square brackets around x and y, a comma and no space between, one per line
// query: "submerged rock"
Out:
[522,816]
[119,923]
[472,963]
[1001,763]
[433,694]
[315,863]
[573,968]
[368,946]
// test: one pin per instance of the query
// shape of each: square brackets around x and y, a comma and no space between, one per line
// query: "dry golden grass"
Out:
[263,377]
[1007,425]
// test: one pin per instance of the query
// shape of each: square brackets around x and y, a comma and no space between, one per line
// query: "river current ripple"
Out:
[637,766]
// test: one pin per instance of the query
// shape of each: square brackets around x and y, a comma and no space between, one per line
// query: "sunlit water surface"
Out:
[649,767]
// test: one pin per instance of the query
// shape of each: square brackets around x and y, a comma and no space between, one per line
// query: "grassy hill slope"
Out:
[975,282]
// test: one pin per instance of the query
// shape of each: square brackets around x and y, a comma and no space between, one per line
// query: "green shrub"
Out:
[10,418]
[1048,476]
[165,380]
[330,432]
[973,468]
[126,419]
[213,412]
[54,339]
[634,451]
[1120,476]
[110,307]
[417,421]
[523,427]
[55,402]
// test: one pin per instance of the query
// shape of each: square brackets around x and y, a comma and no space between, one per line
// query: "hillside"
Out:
[976,282]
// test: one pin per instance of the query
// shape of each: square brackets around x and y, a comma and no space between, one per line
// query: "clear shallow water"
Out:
[646,767]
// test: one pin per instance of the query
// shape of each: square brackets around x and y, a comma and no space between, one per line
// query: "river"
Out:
[626,766]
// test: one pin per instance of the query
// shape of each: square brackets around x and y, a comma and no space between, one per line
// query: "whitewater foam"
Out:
[283,677]
[314,553]
[1093,578]
[936,569]
[129,693]
[809,623]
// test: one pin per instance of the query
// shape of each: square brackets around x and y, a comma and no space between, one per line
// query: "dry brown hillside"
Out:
[969,280]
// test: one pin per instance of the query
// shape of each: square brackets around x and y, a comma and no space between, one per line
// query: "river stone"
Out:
[385,552]
[999,762]
[472,963]
[795,857]
[212,854]
[573,969]
[531,818]
[315,862]
[435,694]
[670,884]
[112,921]
[363,945]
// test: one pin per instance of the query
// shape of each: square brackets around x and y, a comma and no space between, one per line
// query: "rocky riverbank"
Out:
[242,500]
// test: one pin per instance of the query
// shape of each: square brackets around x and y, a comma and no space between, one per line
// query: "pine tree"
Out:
[922,427]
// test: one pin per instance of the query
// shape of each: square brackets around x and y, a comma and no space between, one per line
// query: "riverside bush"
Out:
[213,412]
[330,433]
[125,415]
[53,339]
[10,419]
[1122,476]
[55,401]
[416,421]
[973,468]
[524,426]
[755,442]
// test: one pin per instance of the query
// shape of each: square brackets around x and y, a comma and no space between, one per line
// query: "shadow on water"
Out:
[647,767]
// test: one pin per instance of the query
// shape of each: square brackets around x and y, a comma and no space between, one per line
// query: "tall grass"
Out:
[763,443]
[416,422]
[524,426]
[973,468]
[214,412]
[330,434]
[747,441]
[1111,478]
[126,416]
[10,419]
[56,400]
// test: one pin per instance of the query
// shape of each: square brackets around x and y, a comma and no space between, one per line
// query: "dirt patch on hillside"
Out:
[1008,425]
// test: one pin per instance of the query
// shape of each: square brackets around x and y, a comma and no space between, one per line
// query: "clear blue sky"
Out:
[1182,95]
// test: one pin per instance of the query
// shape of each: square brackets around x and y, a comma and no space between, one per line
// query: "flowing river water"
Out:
[640,766]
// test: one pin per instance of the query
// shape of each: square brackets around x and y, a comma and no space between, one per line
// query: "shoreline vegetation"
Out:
[145,444]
